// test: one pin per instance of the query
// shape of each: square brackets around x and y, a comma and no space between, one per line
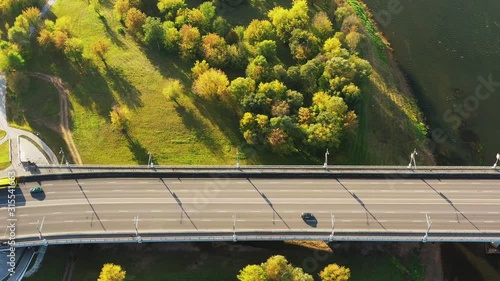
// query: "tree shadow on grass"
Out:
[140,153]
[127,92]
[198,128]
[111,33]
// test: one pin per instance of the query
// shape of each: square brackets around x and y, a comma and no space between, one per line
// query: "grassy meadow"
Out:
[191,132]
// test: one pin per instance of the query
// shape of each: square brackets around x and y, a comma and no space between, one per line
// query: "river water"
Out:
[448,49]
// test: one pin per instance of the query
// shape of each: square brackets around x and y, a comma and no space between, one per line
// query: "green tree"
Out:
[268,49]
[111,272]
[153,32]
[285,21]
[212,84]
[242,86]
[73,48]
[352,39]
[190,41]
[135,20]
[19,36]
[170,7]
[207,9]
[172,37]
[173,90]
[334,272]
[14,60]
[221,26]
[199,68]
[304,45]
[258,30]
[120,9]
[120,116]
[259,70]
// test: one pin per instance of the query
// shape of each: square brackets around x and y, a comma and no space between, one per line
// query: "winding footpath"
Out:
[63,91]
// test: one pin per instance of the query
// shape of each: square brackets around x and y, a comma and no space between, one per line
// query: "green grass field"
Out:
[162,262]
[4,155]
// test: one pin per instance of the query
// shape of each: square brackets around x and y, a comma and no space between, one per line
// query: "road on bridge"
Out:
[104,206]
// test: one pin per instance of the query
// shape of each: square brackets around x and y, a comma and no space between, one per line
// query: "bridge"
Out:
[97,204]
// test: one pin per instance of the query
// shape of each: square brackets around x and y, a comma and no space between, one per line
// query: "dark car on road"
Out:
[307,216]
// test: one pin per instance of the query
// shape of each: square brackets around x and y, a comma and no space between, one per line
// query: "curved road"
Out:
[107,206]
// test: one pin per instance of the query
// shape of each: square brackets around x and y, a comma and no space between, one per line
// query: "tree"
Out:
[285,21]
[45,38]
[173,90]
[73,48]
[214,49]
[99,48]
[119,119]
[258,69]
[121,8]
[207,9]
[153,31]
[190,41]
[258,30]
[172,37]
[33,15]
[14,60]
[64,24]
[352,39]
[304,45]
[135,20]
[17,82]
[59,39]
[18,35]
[252,272]
[321,25]
[221,26]
[170,7]
[242,86]
[268,49]
[111,272]
[280,109]
[211,84]
[334,272]
[199,68]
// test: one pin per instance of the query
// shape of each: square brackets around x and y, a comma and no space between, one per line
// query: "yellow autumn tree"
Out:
[111,272]
[334,272]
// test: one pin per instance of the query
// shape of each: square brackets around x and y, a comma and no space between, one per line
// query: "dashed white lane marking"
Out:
[69,221]
[56,213]
[122,211]
[111,182]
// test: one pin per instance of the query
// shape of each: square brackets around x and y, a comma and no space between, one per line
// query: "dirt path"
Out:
[63,91]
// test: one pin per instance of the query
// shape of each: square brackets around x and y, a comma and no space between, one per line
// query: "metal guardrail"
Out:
[263,236]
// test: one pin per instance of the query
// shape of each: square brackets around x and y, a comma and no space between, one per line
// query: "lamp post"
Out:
[333,228]
[237,159]
[325,165]
[496,162]
[136,224]
[429,224]
[412,159]
[39,228]
[234,228]
[150,160]
[63,157]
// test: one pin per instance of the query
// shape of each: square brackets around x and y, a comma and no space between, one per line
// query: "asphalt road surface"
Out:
[103,206]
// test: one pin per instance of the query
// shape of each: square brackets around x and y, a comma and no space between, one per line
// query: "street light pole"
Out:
[136,224]
[234,228]
[325,165]
[412,159]
[429,224]
[237,159]
[496,162]
[333,228]
[39,228]
[150,160]
[61,152]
